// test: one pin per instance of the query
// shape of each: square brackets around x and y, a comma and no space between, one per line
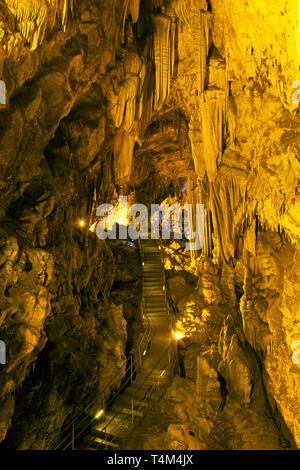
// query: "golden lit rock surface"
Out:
[139,98]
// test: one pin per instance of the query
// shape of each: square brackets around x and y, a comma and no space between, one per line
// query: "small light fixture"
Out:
[178,335]
[93,227]
[99,414]
[164,288]
[145,352]
[143,264]
[82,223]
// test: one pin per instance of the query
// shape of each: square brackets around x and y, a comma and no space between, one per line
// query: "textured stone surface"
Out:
[140,98]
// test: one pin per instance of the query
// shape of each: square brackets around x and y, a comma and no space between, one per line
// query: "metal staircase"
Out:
[154,367]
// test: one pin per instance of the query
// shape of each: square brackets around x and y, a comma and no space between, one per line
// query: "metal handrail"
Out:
[107,405]
[165,280]
[133,362]
[145,336]
[70,435]
[171,363]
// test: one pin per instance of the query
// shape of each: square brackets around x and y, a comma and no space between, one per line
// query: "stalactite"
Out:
[194,197]
[130,92]
[217,76]
[126,7]
[123,157]
[134,10]
[140,92]
[195,135]
[172,44]
[123,105]
[162,44]
[201,27]
[33,16]
[147,94]
[226,197]
[208,245]
[213,115]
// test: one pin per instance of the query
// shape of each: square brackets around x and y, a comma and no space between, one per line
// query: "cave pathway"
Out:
[157,367]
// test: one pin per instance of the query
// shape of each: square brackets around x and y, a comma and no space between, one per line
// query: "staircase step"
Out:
[107,436]
[153,291]
[93,442]
[152,277]
[155,310]
[153,284]
[148,298]
[128,411]
[155,304]
[108,444]
[119,416]
[157,316]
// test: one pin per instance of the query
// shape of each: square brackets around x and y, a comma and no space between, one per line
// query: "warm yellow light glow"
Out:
[82,223]
[178,335]
[145,352]
[122,221]
[93,227]
[121,216]
[99,414]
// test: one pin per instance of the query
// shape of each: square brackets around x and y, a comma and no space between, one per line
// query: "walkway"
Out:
[157,366]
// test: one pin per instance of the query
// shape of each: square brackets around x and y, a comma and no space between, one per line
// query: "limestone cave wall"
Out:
[140,97]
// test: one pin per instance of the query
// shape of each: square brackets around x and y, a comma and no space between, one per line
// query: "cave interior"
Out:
[166,103]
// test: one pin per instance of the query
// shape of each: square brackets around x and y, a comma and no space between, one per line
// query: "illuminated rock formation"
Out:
[193,102]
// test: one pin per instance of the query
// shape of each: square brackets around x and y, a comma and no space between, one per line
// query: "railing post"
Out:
[73,437]
[140,356]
